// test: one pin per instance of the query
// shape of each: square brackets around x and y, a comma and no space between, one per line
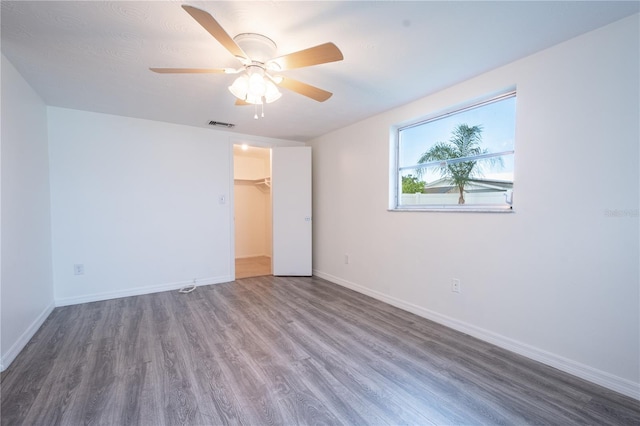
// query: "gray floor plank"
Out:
[281,351]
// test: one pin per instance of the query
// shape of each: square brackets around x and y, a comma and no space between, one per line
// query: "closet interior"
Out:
[252,209]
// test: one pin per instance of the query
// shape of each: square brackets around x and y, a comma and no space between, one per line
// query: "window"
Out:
[462,159]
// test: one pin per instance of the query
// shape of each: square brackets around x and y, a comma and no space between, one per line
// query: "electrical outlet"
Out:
[455,285]
[78,269]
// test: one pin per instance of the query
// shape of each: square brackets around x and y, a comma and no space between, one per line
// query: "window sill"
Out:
[457,209]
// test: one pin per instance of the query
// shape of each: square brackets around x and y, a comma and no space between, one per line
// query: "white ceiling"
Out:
[95,56]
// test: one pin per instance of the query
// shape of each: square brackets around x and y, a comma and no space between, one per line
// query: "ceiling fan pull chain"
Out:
[262,106]
[255,108]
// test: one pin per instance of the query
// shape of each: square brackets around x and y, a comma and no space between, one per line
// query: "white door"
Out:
[291,198]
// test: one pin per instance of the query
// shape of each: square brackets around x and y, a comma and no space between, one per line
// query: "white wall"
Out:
[26,287]
[557,280]
[137,203]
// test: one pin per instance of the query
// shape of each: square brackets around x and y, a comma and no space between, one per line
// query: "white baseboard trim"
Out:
[22,341]
[602,378]
[96,297]
[249,256]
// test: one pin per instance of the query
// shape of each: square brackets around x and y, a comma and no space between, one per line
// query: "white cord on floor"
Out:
[187,289]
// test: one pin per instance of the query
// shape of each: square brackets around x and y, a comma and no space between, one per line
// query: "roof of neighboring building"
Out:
[444,185]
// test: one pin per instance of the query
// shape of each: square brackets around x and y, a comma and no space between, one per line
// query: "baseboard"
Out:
[96,297]
[249,256]
[602,378]
[22,341]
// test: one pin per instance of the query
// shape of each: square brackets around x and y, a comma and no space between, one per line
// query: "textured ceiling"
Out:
[95,56]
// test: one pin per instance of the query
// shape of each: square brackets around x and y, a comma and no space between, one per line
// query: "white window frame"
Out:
[395,168]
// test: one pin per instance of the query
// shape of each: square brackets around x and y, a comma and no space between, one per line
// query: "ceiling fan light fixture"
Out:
[257,86]
[255,100]
[272,93]
[240,87]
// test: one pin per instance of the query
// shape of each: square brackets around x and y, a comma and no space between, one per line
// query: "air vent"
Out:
[220,123]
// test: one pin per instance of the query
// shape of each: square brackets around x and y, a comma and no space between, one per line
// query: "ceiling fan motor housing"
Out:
[258,47]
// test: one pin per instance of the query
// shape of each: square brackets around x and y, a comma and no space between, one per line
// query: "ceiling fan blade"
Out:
[320,54]
[305,89]
[211,25]
[189,70]
[240,102]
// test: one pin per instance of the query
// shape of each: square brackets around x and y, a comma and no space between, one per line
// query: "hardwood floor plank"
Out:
[345,405]
[281,351]
[243,374]
[253,266]
[273,361]
[353,375]
[217,402]
[300,404]
[42,351]
[606,408]
[368,351]
[179,401]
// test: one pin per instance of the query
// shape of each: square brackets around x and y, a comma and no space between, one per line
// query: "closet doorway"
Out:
[252,210]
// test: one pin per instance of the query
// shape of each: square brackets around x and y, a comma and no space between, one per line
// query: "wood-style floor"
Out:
[281,351]
[253,266]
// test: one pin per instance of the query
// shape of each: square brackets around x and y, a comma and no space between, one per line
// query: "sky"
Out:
[498,133]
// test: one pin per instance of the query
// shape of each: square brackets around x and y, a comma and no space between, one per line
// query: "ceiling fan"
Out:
[258,81]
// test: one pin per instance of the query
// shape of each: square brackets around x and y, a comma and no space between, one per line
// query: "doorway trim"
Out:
[257,142]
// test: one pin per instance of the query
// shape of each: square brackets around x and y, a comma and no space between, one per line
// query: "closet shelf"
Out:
[261,182]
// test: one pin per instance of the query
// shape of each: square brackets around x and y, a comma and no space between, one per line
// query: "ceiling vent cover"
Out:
[220,123]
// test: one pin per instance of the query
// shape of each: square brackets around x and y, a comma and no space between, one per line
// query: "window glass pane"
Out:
[460,159]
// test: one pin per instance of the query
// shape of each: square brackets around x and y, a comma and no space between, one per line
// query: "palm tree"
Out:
[465,142]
